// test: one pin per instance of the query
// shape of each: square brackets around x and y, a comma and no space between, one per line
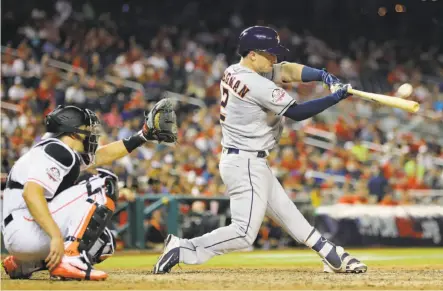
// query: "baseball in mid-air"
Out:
[405,90]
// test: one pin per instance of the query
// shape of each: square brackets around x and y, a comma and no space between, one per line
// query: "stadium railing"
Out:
[134,230]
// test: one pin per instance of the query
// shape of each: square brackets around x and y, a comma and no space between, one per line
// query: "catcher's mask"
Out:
[68,120]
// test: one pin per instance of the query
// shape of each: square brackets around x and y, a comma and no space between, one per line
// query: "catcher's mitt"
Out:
[161,123]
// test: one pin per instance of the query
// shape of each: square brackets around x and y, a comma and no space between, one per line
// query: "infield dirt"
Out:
[421,270]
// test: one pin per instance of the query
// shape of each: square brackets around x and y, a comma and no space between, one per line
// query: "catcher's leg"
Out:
[72,210]
[85,227]
[103,248]
[284,211]
[248,186]
[26,241]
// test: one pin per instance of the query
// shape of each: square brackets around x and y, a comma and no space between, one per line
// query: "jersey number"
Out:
[224,102]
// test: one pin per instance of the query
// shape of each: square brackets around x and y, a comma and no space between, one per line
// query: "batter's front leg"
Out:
[284,211]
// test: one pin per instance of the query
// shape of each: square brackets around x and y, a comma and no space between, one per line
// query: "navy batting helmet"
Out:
[260,38]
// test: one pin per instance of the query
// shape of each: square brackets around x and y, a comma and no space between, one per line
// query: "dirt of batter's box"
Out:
[245,278]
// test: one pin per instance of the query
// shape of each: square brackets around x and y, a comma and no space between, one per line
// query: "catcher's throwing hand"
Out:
[161,123]
[56,252]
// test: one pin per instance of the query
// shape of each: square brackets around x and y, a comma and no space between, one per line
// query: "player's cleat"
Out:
[77,268]
[13,269]
[170,256]
[343,262]
[21,270]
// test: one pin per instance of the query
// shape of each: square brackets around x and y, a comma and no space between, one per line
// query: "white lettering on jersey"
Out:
[251,110]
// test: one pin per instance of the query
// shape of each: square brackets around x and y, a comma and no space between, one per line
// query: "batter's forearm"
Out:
[33,194]
[293,72]
[311,108]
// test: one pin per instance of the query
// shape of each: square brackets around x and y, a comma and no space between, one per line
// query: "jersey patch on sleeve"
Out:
[278,95]
[59,153]
[54,174]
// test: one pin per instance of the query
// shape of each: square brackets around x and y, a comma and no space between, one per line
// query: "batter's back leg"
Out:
[248,184]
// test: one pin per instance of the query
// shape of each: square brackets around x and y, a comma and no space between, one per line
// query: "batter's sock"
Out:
[324,248]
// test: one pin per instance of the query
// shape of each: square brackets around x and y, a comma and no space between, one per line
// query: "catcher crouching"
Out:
[54,222]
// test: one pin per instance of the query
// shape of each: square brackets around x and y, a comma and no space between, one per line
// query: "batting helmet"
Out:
[68,120]
[260,38]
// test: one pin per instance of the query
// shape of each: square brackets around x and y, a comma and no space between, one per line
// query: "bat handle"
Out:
[353,91]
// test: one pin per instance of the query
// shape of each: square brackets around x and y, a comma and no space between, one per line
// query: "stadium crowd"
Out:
[68,56]
[190,67]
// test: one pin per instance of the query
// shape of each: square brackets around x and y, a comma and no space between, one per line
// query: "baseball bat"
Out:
[407,105]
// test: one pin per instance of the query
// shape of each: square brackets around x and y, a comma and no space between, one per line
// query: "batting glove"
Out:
[329,79]
[341,90]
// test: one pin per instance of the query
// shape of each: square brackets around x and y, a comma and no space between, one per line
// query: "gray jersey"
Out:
[252,109]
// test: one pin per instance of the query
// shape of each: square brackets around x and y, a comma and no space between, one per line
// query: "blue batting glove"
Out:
[340,91]
[329,79]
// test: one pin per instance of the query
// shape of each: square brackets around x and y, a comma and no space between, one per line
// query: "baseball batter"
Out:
[50,221]
[253,109]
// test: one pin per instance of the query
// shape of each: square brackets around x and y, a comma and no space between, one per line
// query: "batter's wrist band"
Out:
[309,74]
[133,142]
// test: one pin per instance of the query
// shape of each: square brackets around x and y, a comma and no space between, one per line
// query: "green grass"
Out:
[279,258]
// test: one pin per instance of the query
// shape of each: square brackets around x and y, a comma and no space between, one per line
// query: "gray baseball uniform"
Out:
[251,117]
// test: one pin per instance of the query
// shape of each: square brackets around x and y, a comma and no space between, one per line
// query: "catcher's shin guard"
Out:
[103,248]
[91,227]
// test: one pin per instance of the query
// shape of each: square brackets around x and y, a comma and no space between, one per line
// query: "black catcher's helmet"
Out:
[68,119]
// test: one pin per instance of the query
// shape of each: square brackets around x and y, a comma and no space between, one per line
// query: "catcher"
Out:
[46,216]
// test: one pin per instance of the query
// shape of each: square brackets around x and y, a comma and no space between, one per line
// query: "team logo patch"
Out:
[53,174]
[278,95]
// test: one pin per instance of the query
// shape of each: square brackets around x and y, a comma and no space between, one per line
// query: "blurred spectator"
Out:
[434,179]
[155,233]
[2,91]
[388,200]
[75,95]
[95,66]
[378,184]
[113,119]
[157,61]
[333,165]
[360,151]
[17,92]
